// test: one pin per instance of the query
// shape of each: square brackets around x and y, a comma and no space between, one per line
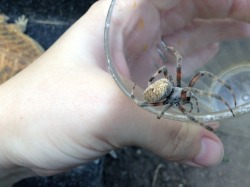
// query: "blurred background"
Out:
[132,166]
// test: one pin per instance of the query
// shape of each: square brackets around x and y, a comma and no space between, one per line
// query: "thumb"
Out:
[176,141]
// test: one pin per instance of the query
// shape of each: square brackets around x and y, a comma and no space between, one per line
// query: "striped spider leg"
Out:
[200,74]
[209,94]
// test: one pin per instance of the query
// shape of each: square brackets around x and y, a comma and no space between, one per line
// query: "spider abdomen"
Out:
[158,91]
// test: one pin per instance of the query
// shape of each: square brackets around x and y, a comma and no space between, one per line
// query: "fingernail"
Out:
[211,153]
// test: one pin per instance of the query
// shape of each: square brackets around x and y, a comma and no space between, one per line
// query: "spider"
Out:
[164,92]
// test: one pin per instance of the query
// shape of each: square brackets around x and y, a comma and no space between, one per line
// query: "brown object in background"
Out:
[17,50]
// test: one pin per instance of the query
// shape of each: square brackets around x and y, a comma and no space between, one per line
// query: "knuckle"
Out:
[180,144]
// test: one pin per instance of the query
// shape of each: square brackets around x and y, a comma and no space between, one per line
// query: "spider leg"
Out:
[186,99]
[165,108]
[201,92]
[144,104]
[192,118]
[212,76]
[170,78]
[191,107]
[178,64]
[184,112]
[197,103]
[163,70]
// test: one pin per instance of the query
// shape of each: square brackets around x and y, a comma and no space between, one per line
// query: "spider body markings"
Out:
[164,92]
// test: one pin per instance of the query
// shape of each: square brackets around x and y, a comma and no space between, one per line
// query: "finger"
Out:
[166,5]
[199,58]
[236,9]
[128,124]
[191,62]
[186,11]
[201,33]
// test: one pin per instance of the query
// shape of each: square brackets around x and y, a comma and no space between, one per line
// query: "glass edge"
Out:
[109,60]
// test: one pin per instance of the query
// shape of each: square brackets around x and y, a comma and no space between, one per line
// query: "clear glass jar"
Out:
[135,48]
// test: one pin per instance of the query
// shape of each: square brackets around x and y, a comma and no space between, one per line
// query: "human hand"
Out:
[194,28]
[65,109]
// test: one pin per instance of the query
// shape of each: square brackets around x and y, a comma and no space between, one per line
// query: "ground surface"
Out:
[134,166]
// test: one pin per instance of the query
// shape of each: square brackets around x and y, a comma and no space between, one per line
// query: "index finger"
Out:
[185,11]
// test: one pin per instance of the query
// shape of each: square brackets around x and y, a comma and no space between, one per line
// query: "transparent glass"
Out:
[134,54]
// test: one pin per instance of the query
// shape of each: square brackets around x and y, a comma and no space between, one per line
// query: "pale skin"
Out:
[65,109]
